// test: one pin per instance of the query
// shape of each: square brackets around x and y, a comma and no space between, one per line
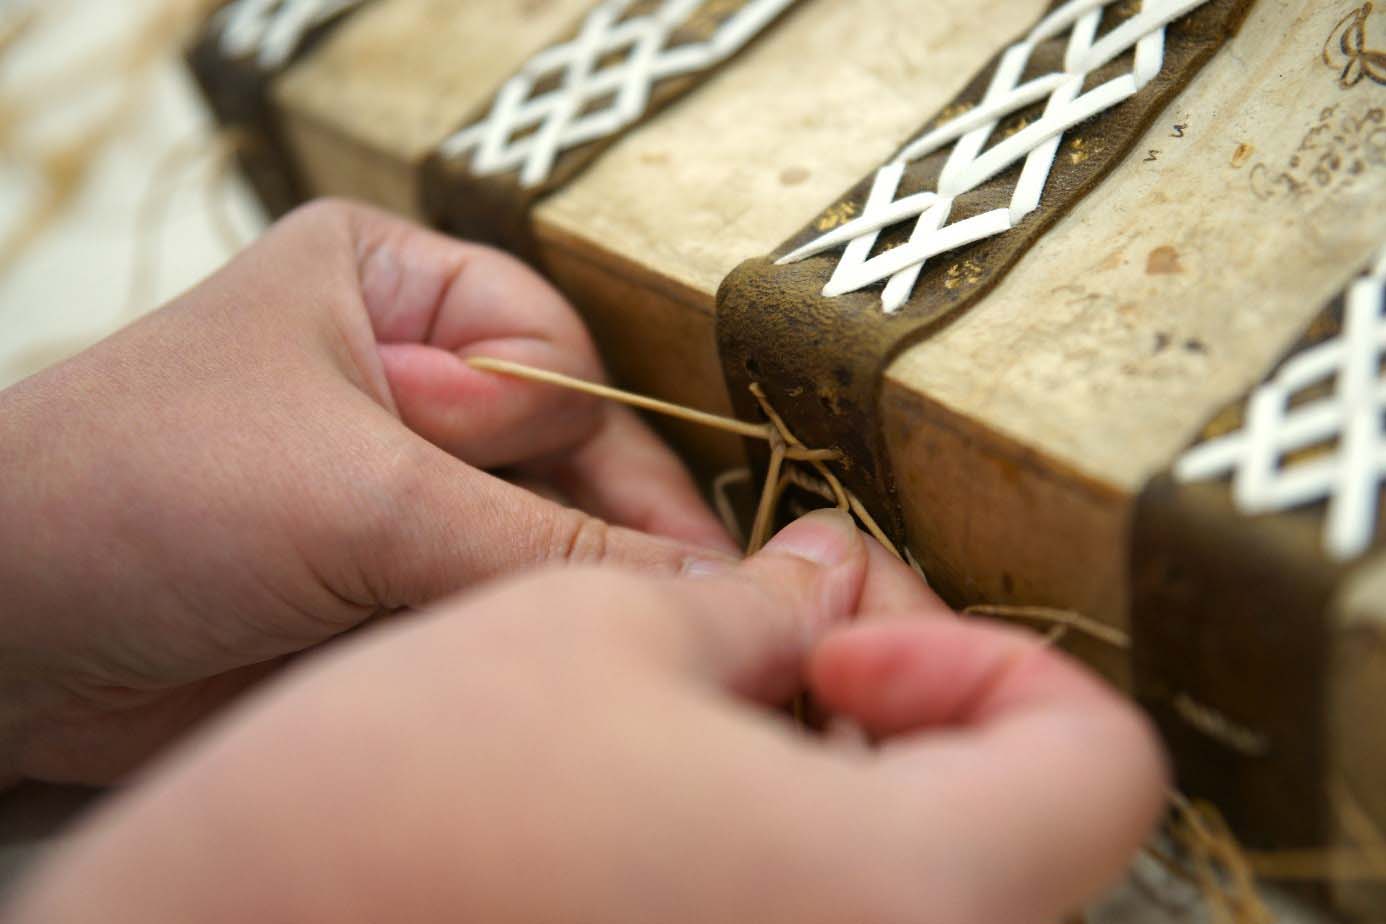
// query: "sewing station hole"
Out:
[524,131]
[1114,16]
[550,82]
[603,103]
[1307,455]
[1323,390]
[615,57]
[897,235]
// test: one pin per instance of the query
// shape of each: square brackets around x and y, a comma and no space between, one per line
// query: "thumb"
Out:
[446,526]
[745,627]
[749,629]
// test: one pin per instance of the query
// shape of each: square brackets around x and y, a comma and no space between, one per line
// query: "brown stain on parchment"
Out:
[1163,261]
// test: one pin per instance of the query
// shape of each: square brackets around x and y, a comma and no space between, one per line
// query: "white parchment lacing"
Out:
[271,31]
[529,132]
[969,165]
[1346,426]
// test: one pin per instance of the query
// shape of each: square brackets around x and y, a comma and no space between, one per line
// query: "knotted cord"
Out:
[785,447]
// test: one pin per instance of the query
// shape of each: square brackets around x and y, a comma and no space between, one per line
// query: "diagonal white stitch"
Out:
[968,166]
[558,119]
[1349,476]
[272,30]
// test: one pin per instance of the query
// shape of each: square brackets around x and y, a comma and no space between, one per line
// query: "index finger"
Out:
[1042,782]
[434,301]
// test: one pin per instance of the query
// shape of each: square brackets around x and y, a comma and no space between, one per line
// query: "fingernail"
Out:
[824,537]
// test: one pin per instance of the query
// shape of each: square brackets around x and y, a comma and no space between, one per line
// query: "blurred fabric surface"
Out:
[106,173]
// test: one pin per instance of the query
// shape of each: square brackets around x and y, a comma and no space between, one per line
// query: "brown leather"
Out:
[1229,612]
[822,360]
[496,208]
[238,93]
[1233,612]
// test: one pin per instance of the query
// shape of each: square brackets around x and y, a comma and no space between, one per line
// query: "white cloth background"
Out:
[71,288]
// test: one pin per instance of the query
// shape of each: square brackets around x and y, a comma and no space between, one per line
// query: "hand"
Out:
[293,447]
[595,746]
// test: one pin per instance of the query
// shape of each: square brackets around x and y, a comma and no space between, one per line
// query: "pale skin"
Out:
[585,728]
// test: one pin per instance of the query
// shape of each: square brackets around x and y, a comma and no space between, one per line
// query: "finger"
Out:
[749,630]
[542,487]
[489,305]
[487,420]
[901,677]
[762,620]
[627,476]
[1042,780]
[894,591]
[433,525]
[433,301]
[745,627]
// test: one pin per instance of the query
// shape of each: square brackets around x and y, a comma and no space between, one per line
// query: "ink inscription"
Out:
[1337,148]
[1346,51]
